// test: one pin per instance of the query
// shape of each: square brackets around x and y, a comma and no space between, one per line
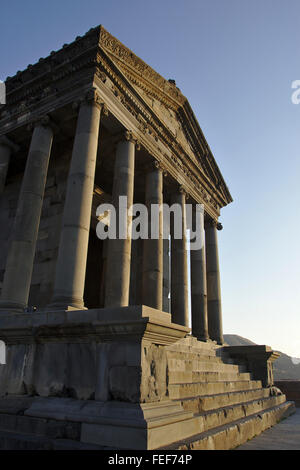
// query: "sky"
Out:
[235,61]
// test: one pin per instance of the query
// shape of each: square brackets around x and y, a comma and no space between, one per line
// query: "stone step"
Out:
[44,427]
[211,402]
[211,419]
[56,428]
[203,366]
[192,342]
[221,416]
[153,410]
[176,377]
[220,376]
[19,441]
[195,432]
[184,390]
[162,430]
[235,433]
[190,355]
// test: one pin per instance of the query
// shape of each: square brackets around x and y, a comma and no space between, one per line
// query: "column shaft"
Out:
[214,306]
[167,275]
[198,282]
[153,248]
[72,255]
[179,269]
[19,265]
[119,250]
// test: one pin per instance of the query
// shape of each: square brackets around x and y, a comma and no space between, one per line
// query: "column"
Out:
[179,269]
[152,290]
[167,274]
[6,149]
[119,250]
[214,306]
[198,279]
[19,265]
[72,255]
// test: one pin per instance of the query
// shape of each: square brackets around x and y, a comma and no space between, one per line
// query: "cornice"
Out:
[198,140]
[56,59]
[138,68]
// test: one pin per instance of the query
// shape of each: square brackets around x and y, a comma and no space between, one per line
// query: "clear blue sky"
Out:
[235,61]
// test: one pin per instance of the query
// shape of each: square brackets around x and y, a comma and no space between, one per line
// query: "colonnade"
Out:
[72,256]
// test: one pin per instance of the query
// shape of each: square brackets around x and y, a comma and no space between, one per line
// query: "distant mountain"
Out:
[285,367]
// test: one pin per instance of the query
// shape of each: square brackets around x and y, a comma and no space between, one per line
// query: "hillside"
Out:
[285,368]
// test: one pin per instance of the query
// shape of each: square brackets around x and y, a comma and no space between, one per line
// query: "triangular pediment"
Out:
[169,118]
[170,107]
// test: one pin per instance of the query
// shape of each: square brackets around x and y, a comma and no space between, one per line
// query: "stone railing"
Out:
[257,359]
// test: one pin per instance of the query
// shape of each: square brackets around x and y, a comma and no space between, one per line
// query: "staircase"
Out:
[229,407]
[212,404]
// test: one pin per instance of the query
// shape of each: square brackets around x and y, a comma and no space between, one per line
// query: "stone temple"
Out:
[99,351]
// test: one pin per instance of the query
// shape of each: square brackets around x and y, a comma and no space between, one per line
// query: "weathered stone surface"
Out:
[154,386]
[257,359]
[135,398]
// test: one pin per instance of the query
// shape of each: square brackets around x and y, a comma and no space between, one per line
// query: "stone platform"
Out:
[128,378]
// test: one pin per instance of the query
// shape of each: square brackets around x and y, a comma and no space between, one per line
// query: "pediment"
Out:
[161,97]
[170,107]
[169,118]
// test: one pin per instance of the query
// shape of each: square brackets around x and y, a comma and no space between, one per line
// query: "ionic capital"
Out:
[183,191]
[154,165]
[214,223]
[93,97]
[44,121]
[128,136]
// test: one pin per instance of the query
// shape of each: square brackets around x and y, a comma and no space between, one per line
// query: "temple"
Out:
[102,347]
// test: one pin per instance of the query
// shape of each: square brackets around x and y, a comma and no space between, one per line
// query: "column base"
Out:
[65,304]
[59,307]
[205,339]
